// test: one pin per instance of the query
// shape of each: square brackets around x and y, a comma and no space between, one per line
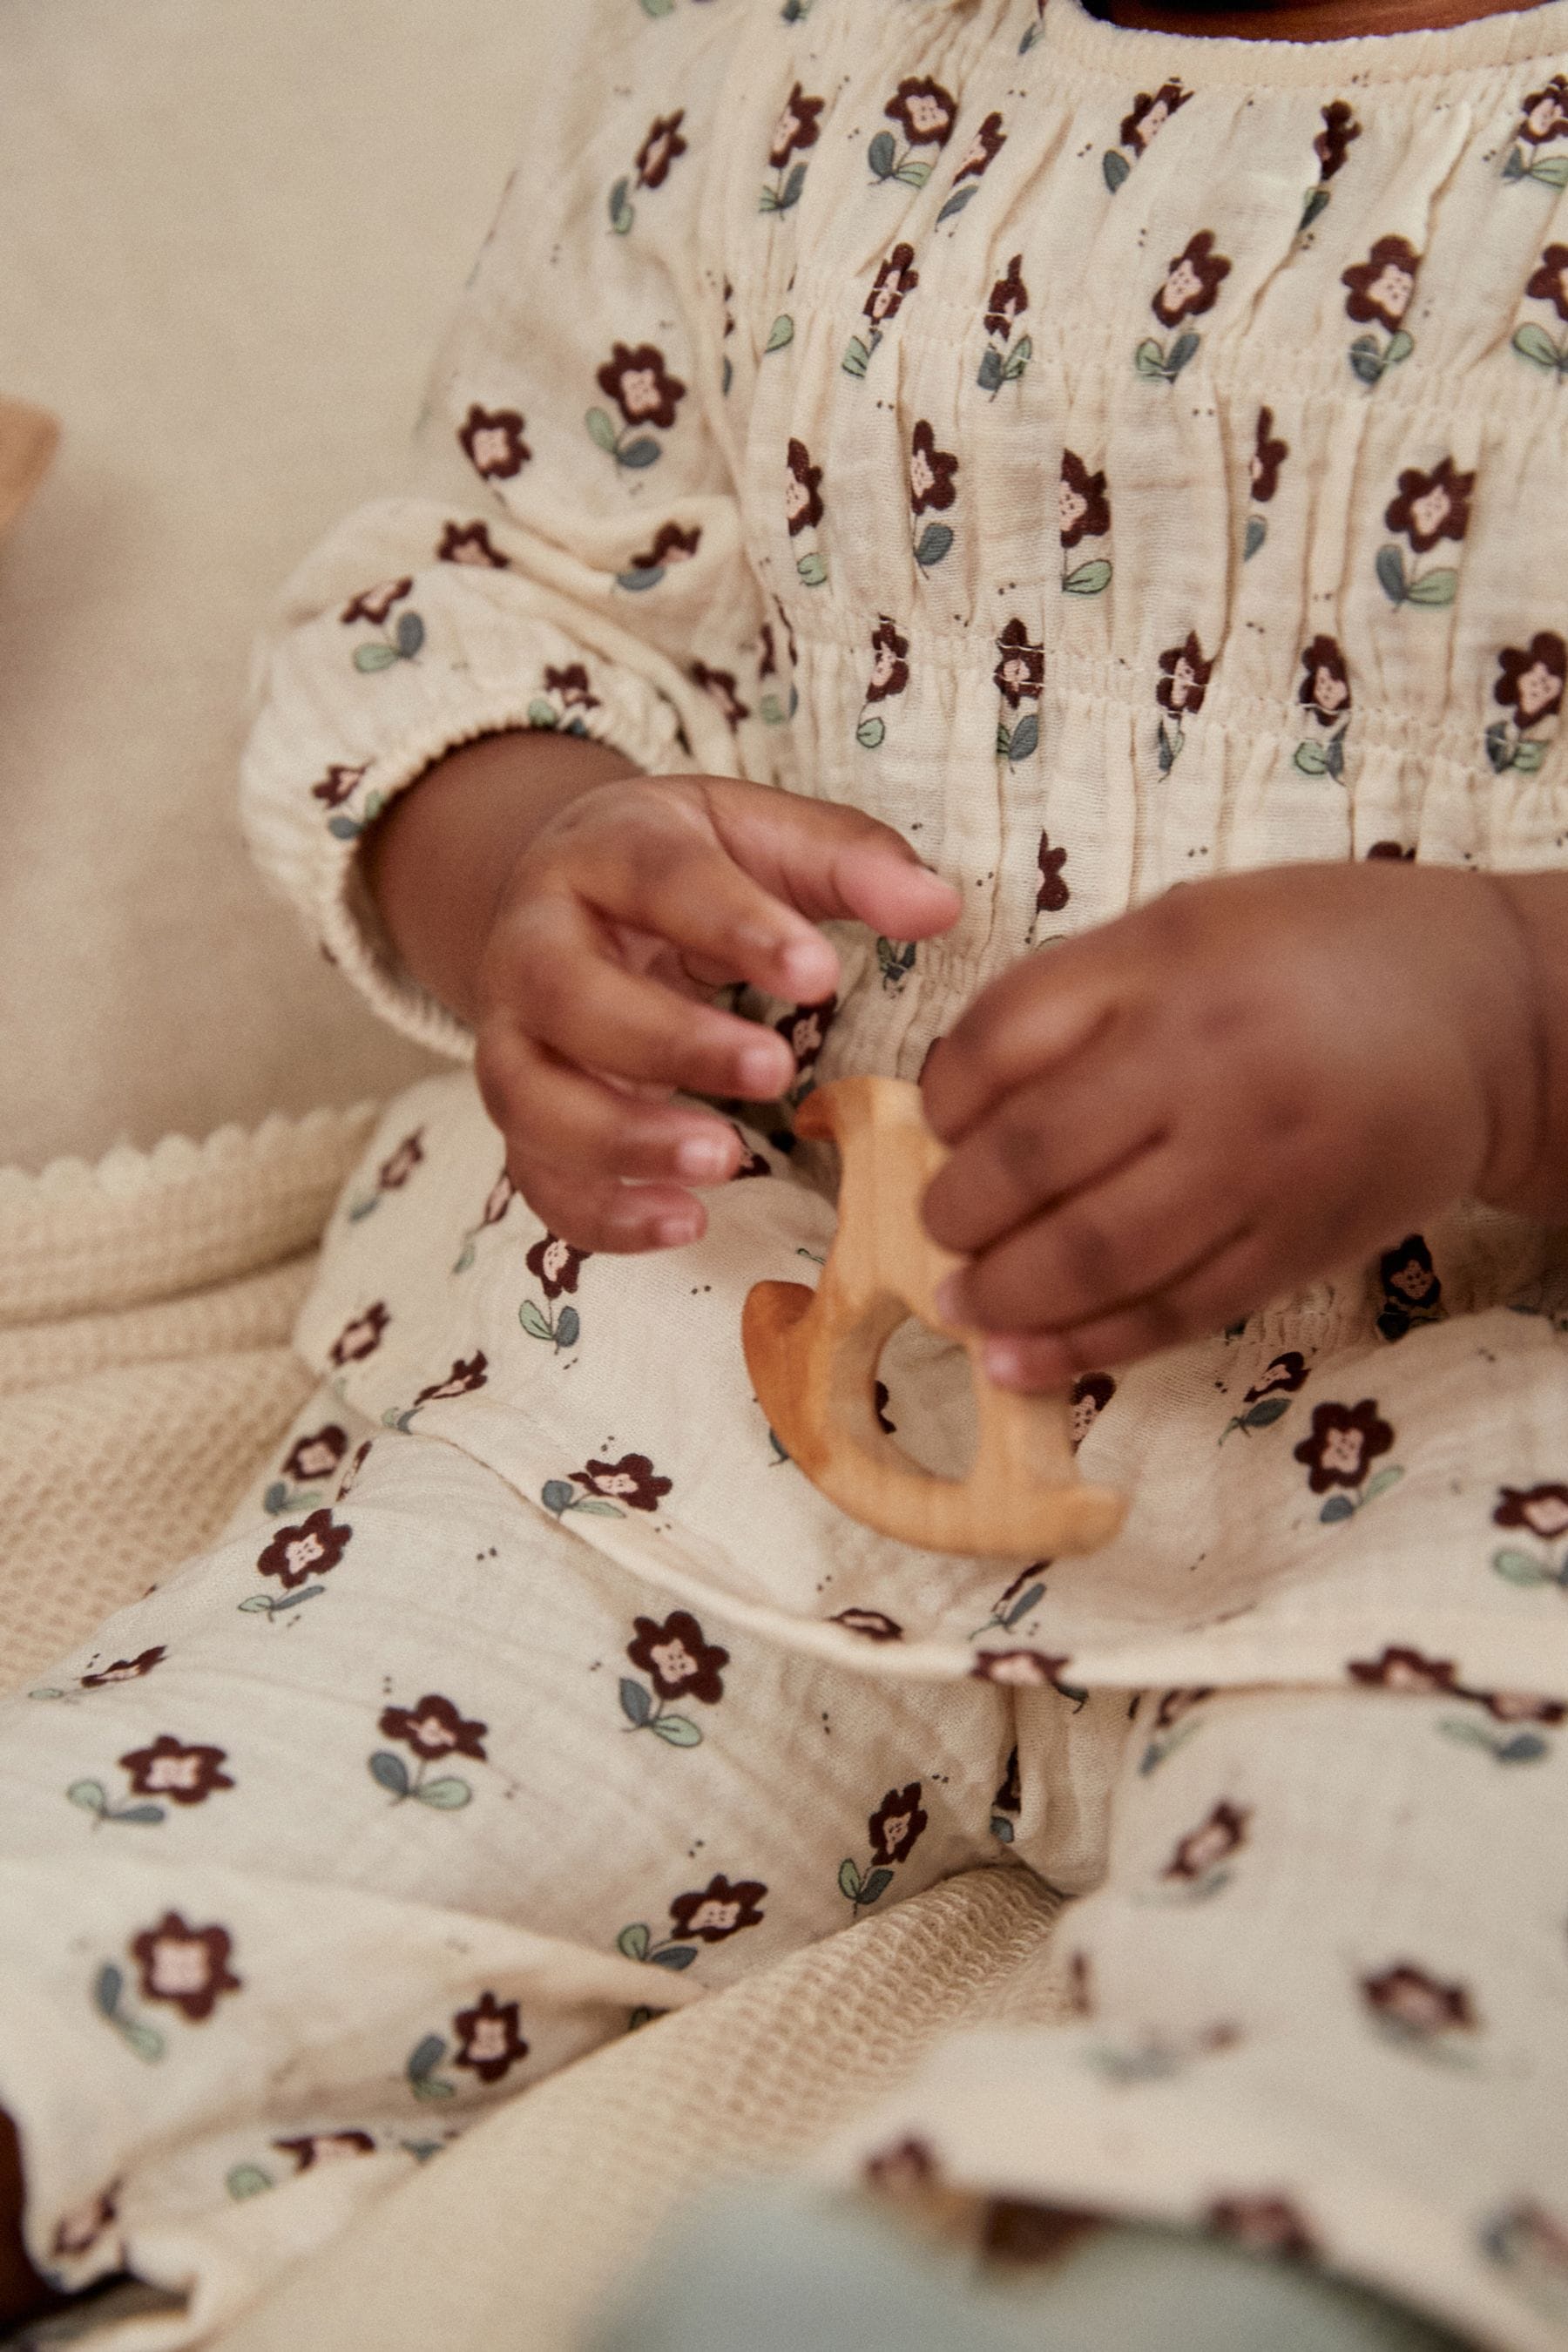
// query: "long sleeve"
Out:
[571,555]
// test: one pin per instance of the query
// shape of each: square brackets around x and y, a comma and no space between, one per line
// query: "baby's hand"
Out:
[1164,1125]
[617,920]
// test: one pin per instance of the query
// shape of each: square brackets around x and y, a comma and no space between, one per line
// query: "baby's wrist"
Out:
[1522,1048]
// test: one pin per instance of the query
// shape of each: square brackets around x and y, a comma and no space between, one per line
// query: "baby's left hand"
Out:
[1162,1126]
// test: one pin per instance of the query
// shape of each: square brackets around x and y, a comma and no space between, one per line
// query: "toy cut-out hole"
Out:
[930,1398]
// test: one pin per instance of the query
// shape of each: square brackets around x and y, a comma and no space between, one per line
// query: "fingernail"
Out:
[949,1297]
[800,962]
[703,1156]
[670,1232]
[1004,1361]
[758,1066]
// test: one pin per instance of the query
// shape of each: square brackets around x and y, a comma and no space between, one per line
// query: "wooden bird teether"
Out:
[813,1355]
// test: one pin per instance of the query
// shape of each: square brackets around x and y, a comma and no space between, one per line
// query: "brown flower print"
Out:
[499,1199]
[1325,689]
[1183,680]
[185,1966]
[465,1375]
[896,277]
[375,603]
[896,1825]
[555,1264]
[984,149]
[1531,678]
[432,1728]
[1382,286]
[493,443]
[362,1336]
[925,109]
[1053,893]
[803,491]
[660,149]
[318,1455]
[186,1775]
[571,684]
[490,2038]
[641,387]
[1191,282]
[890,662]
[1542,1509]
[1545,113]
[670,545]
[298,1553]
[1332,144]
[630,1480]
[396,1171]
[931,472]
[1264,2225]
[1418,2005]
[1405,1670]
[1022,668]
[1268,454]
[1345,1442]
[1430,506]
[1520,1706]
[1091,1393]
[79,2230]
[798,128]
[1213,1841]
[804,1032]
[677,1660]
[1083,511]
[351,1476]
[1394,849]
[1151,113]
[470,543]
[311,2148]
[338,785]
[905,2169]
[1175,1704]
[720,685]
[872,1624]
[1009,298]
[718,1910]
[130,1670]
[1282,1377]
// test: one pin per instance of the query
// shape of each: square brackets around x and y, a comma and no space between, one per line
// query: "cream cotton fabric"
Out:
[1111,460]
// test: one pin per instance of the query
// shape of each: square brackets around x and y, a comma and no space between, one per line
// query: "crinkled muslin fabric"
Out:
[1113,459]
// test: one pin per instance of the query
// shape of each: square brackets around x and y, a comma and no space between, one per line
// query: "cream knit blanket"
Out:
[145,1370]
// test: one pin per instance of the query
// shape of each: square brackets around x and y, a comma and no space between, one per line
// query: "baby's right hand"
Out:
[620,916]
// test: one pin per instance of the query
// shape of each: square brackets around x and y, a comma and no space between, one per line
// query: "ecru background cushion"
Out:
[232,230]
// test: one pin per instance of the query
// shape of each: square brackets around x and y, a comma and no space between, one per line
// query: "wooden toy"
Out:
[813,1357]
[27,438]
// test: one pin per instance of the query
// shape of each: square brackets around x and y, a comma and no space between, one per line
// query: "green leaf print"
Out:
[881,153]
[557,1496]
[410,634]
[857,357]
[647,575]
[792,188]
[1532,342]
[1338,1507]
[568,1324]
[1311,758]
[90,1795]
[601,431]
[246,2181]
[1257,532]
[621,215]
[108,1986]
[1088,579]
[541,713]
[533,1321]
[812,570]
[674,1956]
[596,1509]
[447,1796]
[676,1730]
[848,1881]
[636,1705]
[634,1942]
[376,657]
[990,376]
[657,7]
[869,733]
[1025,736]
[913,173]
[1317,203]
[1433,588]
[1391,573]
[1381,1484]
[874,1887]
[1521,1568]
[1017,360]
[638,454]
[934,542]
[781,333]
[957,201]
[389,1771]
[1116,168]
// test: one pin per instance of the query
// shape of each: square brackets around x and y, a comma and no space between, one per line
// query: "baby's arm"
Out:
[1246,1084]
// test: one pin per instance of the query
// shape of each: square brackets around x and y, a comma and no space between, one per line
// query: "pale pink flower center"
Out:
[797,498]
[788,123]
[1208,1847]
[180,1968]
[615,1482]
[303,1554]
[555,1256]
[1071,507]
[1159,112]
[927,116]
[315,1461]
[1549,1516]
[1181,683]
[1538,684]
[1415,2006]
[1021,1669]
[1182,285]
[893,1831]
[434,1733]
[882,669]
[176,1772]
[1328,692]
[492,447]
[922,476]
[1392,287]
[714,1914]
[487,2040]
[674,1661]
[1016,670]
[1429,513]
[640,391]
[1083,1414]
[1342,1450]
[806,1036]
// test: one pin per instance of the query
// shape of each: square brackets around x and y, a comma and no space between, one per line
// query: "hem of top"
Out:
[1127,53]
[345,936]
